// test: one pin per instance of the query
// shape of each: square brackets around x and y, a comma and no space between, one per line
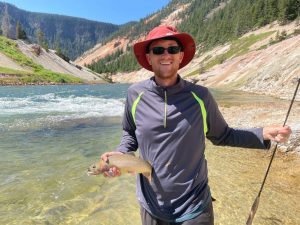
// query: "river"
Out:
[49,135]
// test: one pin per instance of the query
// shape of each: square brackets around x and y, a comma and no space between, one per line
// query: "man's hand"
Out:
[277,133]
[112,171]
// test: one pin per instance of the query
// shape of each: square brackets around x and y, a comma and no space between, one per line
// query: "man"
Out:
[168,119]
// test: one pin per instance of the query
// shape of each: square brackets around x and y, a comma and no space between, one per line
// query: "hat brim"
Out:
[189,49]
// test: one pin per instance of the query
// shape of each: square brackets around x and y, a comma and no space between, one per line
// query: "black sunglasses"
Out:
[158,50]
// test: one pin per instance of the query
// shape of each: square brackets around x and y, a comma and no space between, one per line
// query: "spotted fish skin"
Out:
[124,162]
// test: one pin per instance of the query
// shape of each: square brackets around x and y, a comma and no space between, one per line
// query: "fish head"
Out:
[97,168]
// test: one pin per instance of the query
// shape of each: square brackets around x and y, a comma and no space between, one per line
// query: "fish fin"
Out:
[148,176]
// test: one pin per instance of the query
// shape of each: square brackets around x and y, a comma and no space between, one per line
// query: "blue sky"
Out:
[111,11]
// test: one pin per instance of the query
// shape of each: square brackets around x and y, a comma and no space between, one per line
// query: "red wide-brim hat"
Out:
[186,40]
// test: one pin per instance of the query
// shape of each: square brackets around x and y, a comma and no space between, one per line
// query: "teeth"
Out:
[165,63]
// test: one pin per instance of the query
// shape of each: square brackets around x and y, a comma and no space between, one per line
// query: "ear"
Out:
[181,56]
[148,59]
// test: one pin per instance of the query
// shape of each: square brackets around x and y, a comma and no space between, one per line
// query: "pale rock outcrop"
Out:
[49,60]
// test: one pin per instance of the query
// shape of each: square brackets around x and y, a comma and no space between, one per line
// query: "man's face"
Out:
[165,65]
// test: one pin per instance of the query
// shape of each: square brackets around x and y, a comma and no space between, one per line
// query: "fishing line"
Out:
[256,202]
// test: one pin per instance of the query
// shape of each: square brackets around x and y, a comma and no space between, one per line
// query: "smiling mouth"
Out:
[166,63]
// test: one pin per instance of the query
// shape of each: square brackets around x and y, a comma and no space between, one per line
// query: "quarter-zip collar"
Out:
[169,90]
[165,92]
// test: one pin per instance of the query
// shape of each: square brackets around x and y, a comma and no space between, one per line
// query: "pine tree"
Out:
[20,33]
[292,9]
[40,37]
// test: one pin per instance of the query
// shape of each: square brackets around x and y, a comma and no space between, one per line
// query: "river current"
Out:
[49,135]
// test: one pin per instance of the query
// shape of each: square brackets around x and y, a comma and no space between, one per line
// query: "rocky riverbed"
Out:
[266,113]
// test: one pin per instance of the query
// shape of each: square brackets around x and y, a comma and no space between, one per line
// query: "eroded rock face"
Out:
[268,71]
[51,61]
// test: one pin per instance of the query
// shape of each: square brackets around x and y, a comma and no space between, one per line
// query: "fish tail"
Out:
[148,175]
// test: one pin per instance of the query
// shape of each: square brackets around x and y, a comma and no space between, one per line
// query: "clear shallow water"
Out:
[49,135]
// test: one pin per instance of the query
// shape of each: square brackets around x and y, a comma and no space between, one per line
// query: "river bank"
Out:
[46,83]
[265,113]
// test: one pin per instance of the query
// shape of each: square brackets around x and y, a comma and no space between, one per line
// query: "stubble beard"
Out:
[166,75]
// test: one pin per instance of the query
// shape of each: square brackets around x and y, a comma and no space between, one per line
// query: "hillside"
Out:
[124,40]
[235,40]
[262,67]
[127,35]
[71,34]
[22,63]
[267,71]
[227,55]
[210,22]
[51,61]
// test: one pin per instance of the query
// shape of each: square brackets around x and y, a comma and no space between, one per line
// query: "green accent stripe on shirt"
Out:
[203,110]
[134,105]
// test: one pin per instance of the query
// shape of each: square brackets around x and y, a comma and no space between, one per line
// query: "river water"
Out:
[49,135]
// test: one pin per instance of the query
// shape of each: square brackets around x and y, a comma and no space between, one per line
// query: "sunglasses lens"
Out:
[173,49]
[160,50]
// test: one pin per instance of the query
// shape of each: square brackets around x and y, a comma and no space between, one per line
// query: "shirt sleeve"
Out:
[128,141]
[219,133]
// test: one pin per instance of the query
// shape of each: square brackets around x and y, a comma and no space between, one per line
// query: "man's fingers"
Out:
[104,157]
[281,138]
[285,130]
[271,137]
[283,134]
[112,172]
[118,172]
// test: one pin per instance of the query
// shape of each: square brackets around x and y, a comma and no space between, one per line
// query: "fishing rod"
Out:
[256,202]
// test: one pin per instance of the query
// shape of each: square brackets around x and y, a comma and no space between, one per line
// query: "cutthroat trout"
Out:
[125,162]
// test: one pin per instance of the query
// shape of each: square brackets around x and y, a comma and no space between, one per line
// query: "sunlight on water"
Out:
[52,103]
[51,110]
[48,185]
[48,140]
[235,177]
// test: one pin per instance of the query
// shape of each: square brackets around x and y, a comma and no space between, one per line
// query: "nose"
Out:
[166,52]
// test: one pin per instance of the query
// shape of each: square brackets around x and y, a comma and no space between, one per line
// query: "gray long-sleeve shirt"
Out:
[169,126]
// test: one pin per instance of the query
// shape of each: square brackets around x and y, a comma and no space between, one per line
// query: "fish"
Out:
[125,162]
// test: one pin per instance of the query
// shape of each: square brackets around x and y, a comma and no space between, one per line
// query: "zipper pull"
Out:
[165,116]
